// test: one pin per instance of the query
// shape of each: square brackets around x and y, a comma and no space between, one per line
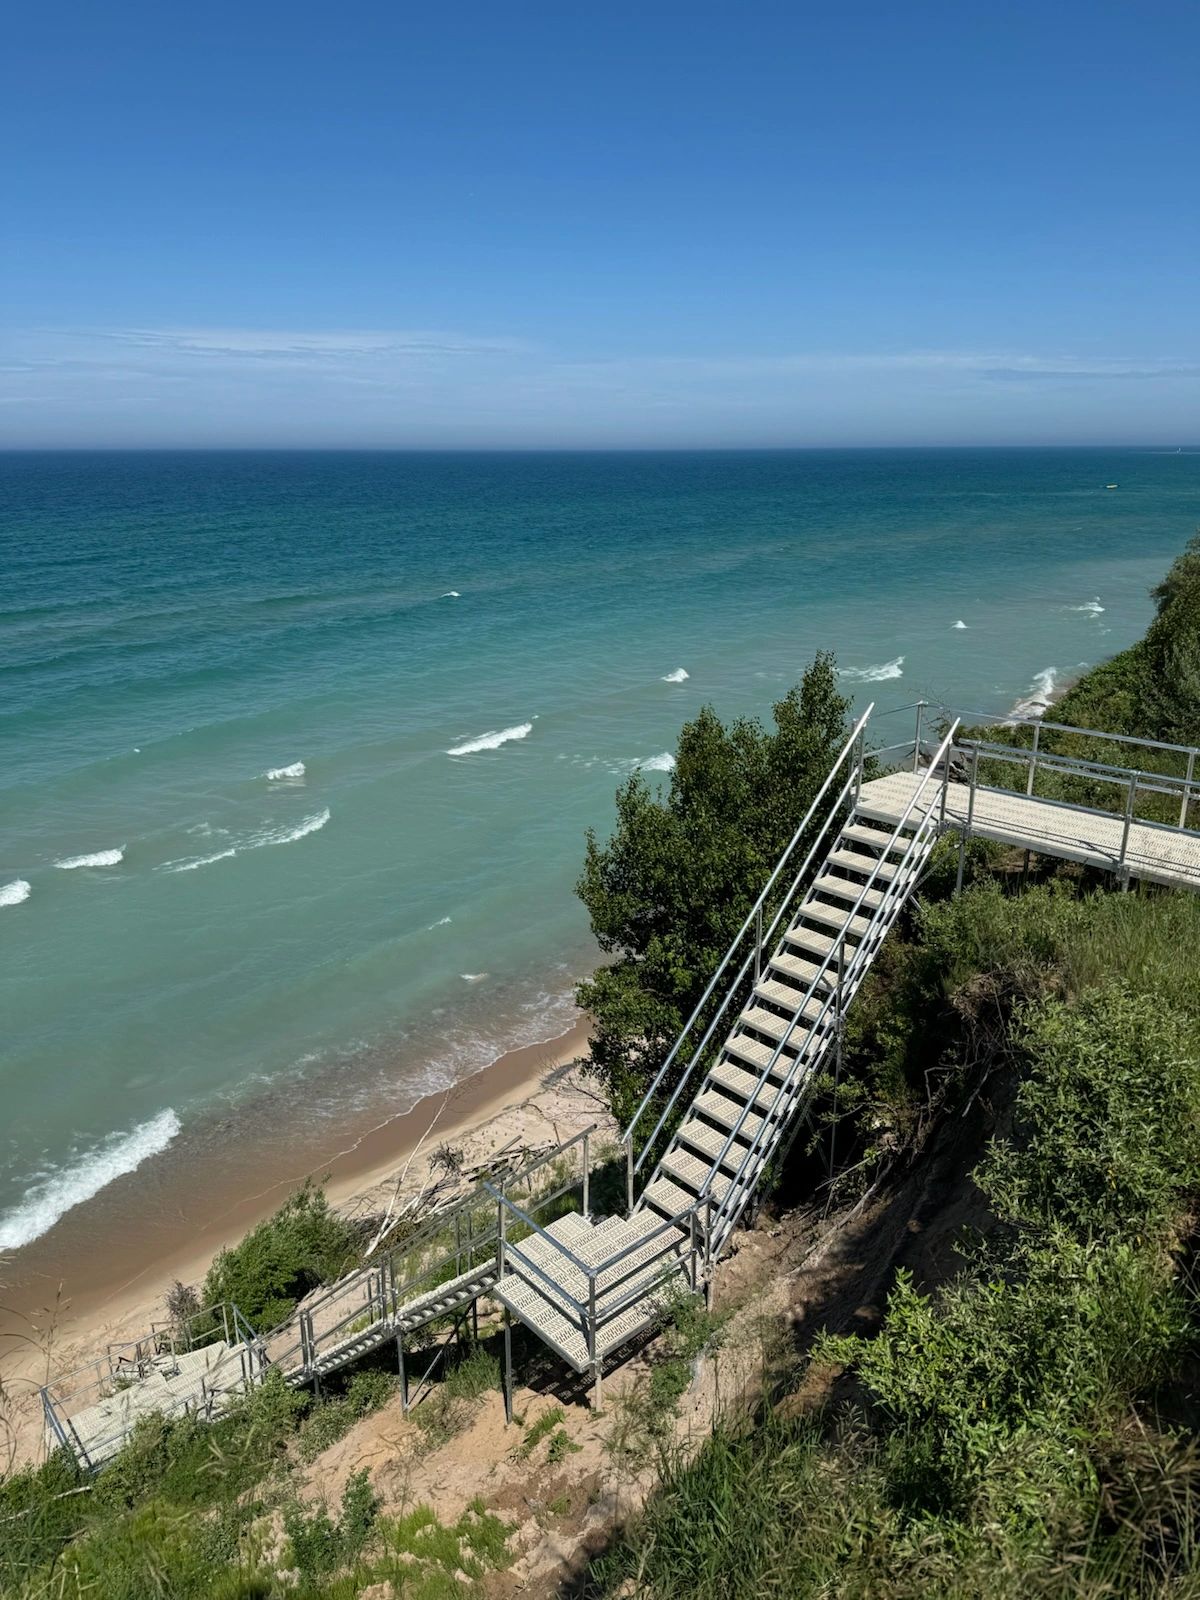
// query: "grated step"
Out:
[861,861]
[744,1086]
[833,917]
[697,1174]
[710,1141]
[879,838]
[852,893]
[801,971]
[793,1027]
[721,1109]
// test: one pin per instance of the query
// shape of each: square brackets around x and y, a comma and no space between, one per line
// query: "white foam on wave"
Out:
[879,674]
[1092,608]
[491,741]
[960,623]
[660,763]
[680,675]
[473,977]
[276,774]
[15,893]
[451,594]
[1040,696]
[440,923]
[98,858]
[53,1196]
[254,841]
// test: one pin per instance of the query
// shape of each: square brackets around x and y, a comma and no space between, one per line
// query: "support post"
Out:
[966,831]
[1187,788]
[457,1243]
[1122,869]
[917,737]
[1033,755]
[400,1367]
[859,758]
[629,1173]
[758,943]
[587,1179]
[508,1372]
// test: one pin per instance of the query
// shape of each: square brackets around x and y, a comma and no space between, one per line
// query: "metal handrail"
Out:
[850,978]
[1103,771]
[751,917]
[989,719]
[825,965]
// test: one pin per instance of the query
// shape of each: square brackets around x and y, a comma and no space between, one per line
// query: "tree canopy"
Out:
[668,891]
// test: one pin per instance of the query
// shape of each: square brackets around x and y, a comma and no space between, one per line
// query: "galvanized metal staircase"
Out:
[787,1000]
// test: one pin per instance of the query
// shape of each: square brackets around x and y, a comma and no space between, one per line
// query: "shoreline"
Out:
[102,1296]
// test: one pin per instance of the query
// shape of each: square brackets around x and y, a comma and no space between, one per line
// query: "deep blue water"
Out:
[174,627]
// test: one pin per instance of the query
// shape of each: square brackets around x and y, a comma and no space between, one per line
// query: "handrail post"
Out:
[629,1174]
[1122,869]
[1187,788]
[966,832]
[917,738]
[859,760]
[1033,755]
[587,1178]
[758,943]
[501,1238]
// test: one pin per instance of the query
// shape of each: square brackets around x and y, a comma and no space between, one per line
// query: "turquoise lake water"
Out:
[448,663]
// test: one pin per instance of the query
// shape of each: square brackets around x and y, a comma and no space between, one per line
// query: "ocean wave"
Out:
[473,977]
[98,858]
[680,675]
[451,594]
[274,774]
[1093,608]
[491,741]
[440,923]
[14,893]
[959,624]
[255,841]
[54,1196]
[660,763]
[880,674]
[1040,696]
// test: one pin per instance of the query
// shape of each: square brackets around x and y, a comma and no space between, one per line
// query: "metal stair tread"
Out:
[721,1109]
[710,1141]
[877,837]
[833,917]
[843,889]
[690,1170]
[860,861]
[792,1027]
[744,1086]
[805,973]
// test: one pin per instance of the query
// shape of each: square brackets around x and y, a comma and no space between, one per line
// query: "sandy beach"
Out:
[87,1286]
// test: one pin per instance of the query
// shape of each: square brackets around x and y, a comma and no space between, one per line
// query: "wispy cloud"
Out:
[287,345]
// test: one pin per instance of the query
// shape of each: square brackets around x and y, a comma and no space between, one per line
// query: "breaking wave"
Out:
[880,674]
[491,741]
[1092,608]
[473,977]
[680,675]
[12,894]
[255,841]
[1040,696]
[662,763]
[960,623]
[98,858]
[440,923]
[451,594]
[53,1196]
[296,770]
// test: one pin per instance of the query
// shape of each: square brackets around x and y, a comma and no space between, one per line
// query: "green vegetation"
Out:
[669,890]
[303,1245]
[1005,1433]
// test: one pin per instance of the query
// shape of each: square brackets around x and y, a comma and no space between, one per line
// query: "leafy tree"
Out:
[670,888]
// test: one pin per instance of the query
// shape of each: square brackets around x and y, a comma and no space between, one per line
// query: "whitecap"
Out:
[491,741]
[451,594]
[660,763]
[255,841]
[880,674]
[61,1191]
[473,977]
[275,774]
[440,923]
[1040,696]
[680,675]
[98,858]
[960,623]
[14,893]
[1092,608]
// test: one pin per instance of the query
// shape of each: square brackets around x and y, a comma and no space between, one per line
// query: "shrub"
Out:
[304,1244]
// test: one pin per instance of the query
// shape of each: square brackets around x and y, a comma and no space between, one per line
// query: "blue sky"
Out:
[565,225]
